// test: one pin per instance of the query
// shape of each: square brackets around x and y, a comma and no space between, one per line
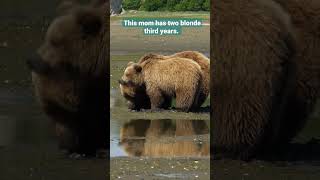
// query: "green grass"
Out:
[132,57]
[163,14]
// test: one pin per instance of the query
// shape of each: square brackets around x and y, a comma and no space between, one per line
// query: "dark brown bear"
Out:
[258,102]
[306,25]
[253,44]
[70,75]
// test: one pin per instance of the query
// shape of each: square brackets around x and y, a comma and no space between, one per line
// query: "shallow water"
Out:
[160,149]
[159,138]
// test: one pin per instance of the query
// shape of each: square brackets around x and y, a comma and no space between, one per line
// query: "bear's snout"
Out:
[122,82]
[126,83]
[36,64]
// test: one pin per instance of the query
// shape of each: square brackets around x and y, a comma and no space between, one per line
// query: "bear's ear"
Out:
[89,21]
[130,63]
[138,68]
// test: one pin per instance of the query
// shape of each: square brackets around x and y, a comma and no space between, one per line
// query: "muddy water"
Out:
[160,149]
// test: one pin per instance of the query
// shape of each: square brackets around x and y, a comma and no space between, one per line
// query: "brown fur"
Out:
[70,77]
[253,44]
[204,63]
[150,56]
[159,138]
[182,80]
[305,19]
[136,96]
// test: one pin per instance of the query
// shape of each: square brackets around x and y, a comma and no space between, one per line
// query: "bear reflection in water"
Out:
[169,138]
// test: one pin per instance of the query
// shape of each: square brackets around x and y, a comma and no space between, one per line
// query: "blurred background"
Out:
[28,147]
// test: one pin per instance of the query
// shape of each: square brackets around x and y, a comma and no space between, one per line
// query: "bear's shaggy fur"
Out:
[136,96]
[306,25]
[163,80]
[138,99]
[204,63]
[153,138]
[70,75]
[253,44]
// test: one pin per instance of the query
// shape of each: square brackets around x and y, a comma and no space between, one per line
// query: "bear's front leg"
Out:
[156,99]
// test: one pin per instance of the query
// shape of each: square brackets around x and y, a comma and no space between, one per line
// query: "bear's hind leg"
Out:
[185,98]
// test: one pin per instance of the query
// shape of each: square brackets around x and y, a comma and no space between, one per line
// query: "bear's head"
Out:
[75,42]
[133,74]
[132,87]
[69,73]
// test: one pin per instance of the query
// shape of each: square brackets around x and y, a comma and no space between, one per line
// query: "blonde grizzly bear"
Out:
[137,98]
[178,77]
[265,81]
[163,138]
[70,74]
